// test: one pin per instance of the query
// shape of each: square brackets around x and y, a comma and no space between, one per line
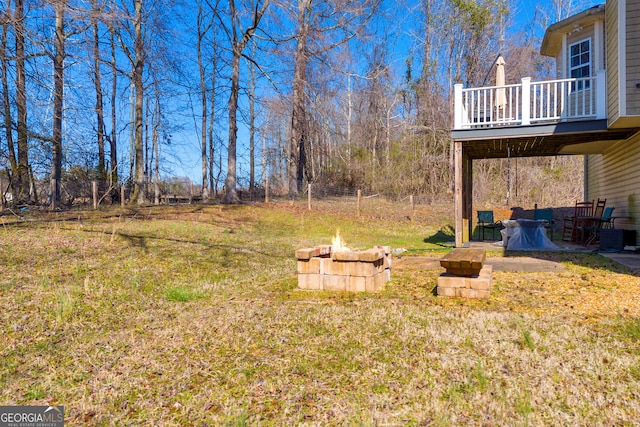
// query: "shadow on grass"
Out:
[443,237]
[25,218]
[140,241]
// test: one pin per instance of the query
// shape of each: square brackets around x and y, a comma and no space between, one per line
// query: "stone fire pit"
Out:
[351,271]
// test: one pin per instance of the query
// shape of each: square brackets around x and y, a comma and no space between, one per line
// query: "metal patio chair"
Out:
[486,220]
[547,215]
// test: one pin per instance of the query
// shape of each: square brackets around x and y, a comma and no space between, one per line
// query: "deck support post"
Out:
[463,191]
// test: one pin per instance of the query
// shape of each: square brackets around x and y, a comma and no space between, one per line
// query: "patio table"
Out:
[526,234]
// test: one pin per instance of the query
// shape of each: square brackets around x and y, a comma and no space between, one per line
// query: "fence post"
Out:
[309,196]
[53,193]
[122,195]
[94,191]
[359,198]
[266,190]
[1,194]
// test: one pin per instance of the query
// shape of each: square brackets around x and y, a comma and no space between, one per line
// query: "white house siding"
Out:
[633,57]
[615,175]
[611,23]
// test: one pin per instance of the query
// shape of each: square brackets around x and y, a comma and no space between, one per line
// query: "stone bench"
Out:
[466,276]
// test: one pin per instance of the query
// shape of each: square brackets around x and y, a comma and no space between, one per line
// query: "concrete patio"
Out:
[514,262]
[630,260]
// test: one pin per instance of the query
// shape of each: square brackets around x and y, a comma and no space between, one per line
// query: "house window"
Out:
[580,62]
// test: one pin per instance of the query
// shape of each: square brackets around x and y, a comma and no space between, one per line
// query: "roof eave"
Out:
[552,41]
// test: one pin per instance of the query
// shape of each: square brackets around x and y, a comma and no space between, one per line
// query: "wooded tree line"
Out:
[353,93]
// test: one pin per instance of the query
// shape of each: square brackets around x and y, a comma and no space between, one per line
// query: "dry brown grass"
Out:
[191,316]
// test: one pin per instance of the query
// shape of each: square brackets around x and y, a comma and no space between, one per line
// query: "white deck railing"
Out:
[530,103]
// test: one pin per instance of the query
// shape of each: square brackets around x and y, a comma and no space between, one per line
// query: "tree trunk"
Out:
[297,132]
[138,190]
[99,103]
[156,149]
[113,147]
[203,101]
[296,151]
[8,121]
[148,158]
[22,173]
[231,194]
[252,119]
[238,45]
[132,134]
[58,102]
[212,178]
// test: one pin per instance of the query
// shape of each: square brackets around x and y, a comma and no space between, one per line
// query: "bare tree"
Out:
[21,175]
[58,98]
[156,143]
[316,22]
[137,58]
[113,139]
[239,40]
[138,189]
[252,117]
[6,103]
[556,10]
[213,179]
[212,116]
[97,81]
[275,130]
[202,28]
[378,130]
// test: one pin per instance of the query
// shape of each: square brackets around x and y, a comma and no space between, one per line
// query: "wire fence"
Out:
[363,203]
[349,201]
[359,203]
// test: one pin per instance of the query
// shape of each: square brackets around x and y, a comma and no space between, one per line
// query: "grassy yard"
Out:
[191,316]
